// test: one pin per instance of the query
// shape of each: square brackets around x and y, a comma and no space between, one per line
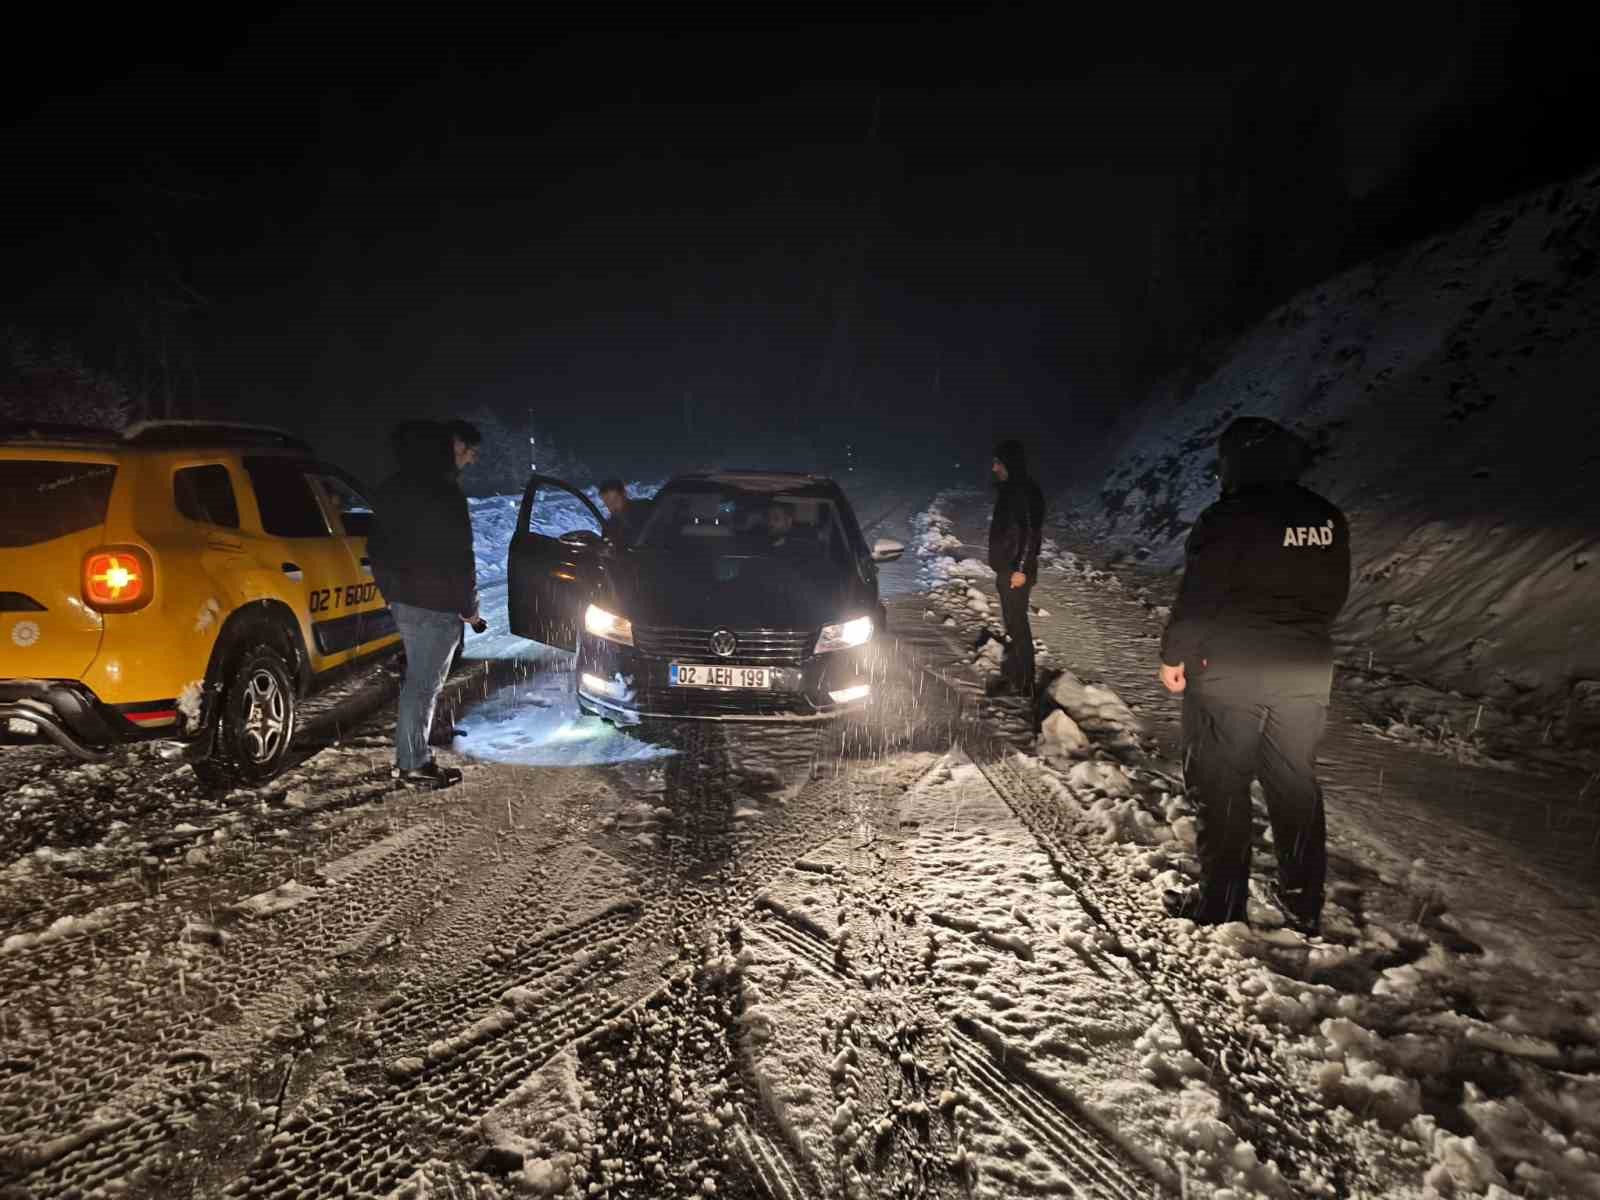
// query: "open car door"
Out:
[548,572]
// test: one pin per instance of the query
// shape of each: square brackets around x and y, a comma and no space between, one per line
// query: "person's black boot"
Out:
[1272,894]
[1181,904]
[430,775]
[1188,905]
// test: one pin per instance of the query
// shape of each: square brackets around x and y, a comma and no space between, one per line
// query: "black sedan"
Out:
[744,595]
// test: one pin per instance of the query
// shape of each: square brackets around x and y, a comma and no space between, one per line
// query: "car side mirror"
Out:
[580,539]
[887,550]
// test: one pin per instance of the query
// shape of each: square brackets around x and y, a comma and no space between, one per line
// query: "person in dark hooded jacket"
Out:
[1249,646]
[1015,532]
[422,560]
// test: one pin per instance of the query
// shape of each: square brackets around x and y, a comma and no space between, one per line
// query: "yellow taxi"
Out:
[179,580]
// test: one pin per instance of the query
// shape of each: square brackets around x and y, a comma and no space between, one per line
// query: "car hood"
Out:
[708,591]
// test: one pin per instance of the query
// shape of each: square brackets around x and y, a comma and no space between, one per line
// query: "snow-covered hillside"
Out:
[1450,391]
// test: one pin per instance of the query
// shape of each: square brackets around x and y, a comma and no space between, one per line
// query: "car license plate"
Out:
[706,675]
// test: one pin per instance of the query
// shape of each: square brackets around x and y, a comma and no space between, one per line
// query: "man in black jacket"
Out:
[1250,648]
[1015,531]
[421,552]
[624,516]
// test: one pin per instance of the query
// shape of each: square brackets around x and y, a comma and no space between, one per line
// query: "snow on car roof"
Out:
[762,481]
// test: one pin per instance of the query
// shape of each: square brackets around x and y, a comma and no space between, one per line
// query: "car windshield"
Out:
[724,519]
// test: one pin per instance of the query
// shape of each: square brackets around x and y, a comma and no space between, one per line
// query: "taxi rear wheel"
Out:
[255,720]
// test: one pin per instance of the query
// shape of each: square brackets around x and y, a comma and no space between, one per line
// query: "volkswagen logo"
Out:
[723,643]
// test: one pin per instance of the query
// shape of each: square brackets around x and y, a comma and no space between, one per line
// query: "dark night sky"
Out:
[1005,225]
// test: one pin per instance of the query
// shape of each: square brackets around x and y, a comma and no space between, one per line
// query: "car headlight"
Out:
[845,634]
[603,624]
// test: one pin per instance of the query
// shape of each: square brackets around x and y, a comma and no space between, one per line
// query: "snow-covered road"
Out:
[890,958]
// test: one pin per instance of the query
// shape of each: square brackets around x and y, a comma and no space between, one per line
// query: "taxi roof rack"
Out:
[184,434]
[154,434]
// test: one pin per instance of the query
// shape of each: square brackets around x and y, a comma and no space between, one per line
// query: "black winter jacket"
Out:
[1267,567]
[1017,526]
[623,527]
[421,540]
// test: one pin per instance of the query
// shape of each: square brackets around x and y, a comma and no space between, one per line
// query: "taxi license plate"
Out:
[706,675]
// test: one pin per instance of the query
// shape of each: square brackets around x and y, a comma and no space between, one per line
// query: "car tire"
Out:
[255,721]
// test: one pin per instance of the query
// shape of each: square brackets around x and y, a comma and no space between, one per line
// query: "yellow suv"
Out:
[180,580]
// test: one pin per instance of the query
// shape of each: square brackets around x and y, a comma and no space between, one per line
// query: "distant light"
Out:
[846,695]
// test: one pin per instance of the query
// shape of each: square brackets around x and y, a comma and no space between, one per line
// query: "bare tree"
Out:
[52,385]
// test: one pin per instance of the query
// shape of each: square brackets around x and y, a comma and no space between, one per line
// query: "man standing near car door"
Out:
[1015,532]
[1250,649]
[422,559]
[624,516]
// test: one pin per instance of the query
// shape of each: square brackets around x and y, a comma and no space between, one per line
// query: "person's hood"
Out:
[423,448]
[1014,458]
[1254,450]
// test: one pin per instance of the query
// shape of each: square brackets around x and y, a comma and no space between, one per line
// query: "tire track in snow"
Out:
[137,1053]
[769,1165]
[369,1139]
[366,1136]
[1080,1149]
[1283,1124]
[548,954]
[802,941]
[468,1051]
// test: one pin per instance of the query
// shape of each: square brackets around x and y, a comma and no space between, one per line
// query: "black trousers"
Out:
[1257,724]
[1017,665]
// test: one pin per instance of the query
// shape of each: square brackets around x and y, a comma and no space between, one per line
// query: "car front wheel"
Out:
[255,721]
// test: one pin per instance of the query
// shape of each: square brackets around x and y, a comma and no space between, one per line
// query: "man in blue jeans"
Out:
[421,552]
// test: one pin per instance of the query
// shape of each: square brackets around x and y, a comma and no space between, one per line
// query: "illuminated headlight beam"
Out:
[846,695]
[607,625]
[844,635]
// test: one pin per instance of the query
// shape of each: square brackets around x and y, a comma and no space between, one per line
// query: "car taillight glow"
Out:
[117,579]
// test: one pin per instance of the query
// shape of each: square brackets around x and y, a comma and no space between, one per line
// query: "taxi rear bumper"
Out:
[73,717]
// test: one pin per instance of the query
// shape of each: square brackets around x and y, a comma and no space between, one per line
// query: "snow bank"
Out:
[1450,1071]
[1438,387]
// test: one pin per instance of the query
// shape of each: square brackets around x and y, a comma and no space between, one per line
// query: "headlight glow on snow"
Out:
[845,695]
[608,625]
[844,635]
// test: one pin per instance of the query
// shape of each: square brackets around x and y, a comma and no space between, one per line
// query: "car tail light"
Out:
[117,579]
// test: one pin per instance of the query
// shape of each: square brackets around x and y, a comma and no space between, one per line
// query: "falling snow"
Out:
[921,953]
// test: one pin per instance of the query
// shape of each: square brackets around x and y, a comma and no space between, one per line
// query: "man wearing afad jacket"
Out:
[1250,648]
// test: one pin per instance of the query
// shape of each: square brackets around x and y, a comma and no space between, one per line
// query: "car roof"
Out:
[153,436]
[761,481]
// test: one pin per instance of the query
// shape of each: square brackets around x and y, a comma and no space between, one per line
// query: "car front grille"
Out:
[755,647]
